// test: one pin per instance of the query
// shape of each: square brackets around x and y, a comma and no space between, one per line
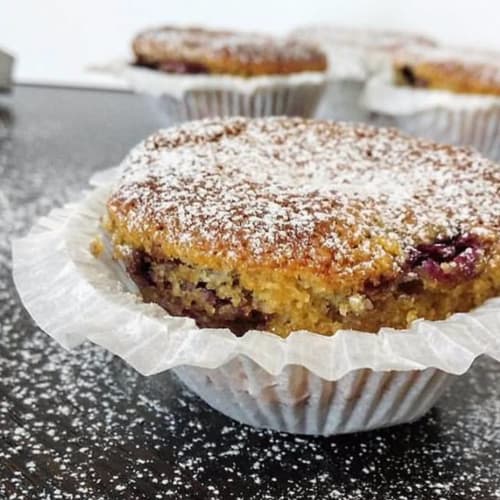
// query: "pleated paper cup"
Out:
[341,101]
[348,71]
[306,383]
[179,98]
[299,402]
[459,119]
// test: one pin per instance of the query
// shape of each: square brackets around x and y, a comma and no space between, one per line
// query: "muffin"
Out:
[459,71]
[443,93]
[275,225]
[354,54]
[196,73]
[287,224]
[197,50]
[6,69]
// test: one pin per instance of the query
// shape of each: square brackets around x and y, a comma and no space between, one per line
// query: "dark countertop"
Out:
[81,425]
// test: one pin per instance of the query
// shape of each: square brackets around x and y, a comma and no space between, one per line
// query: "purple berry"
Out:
[461,254]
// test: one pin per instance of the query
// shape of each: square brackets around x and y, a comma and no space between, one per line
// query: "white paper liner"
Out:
[74,296]
[300,402]
[341,101]
[273,101]
[191,97]
[346,63]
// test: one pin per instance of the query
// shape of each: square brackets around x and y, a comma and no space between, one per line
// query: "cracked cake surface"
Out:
[285,224]
[455,69]
[198,50]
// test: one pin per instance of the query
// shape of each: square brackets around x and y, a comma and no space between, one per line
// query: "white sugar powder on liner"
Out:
[461,119]
[187,97]
[158,83]
[306,383]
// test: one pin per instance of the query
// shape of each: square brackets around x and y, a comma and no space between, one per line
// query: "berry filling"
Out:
[409,78]
[175,66]
[448,260]
[160,282]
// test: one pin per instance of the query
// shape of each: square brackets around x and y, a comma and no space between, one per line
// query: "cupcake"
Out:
[448,94]
[354,54]
[307,276]
[199,73]
[284,225]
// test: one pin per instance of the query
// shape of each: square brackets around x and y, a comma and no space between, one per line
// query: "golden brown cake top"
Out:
[198,50]
[340,200]
[459,69]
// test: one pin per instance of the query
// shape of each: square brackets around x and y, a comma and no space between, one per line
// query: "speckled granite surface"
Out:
[84,426]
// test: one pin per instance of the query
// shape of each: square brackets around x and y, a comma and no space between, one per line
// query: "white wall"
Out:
[55,40]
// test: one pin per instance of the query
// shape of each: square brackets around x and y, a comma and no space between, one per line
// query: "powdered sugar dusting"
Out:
[202,44]
[275,188]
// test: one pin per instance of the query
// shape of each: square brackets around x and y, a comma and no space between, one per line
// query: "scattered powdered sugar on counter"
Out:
[202,45]
[82,425]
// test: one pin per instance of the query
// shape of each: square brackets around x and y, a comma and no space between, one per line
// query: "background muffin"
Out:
[354,54]
[444,93]
[197,73]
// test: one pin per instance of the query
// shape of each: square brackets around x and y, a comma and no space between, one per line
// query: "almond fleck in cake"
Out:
[285,224]
[197,50]
[458,70]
